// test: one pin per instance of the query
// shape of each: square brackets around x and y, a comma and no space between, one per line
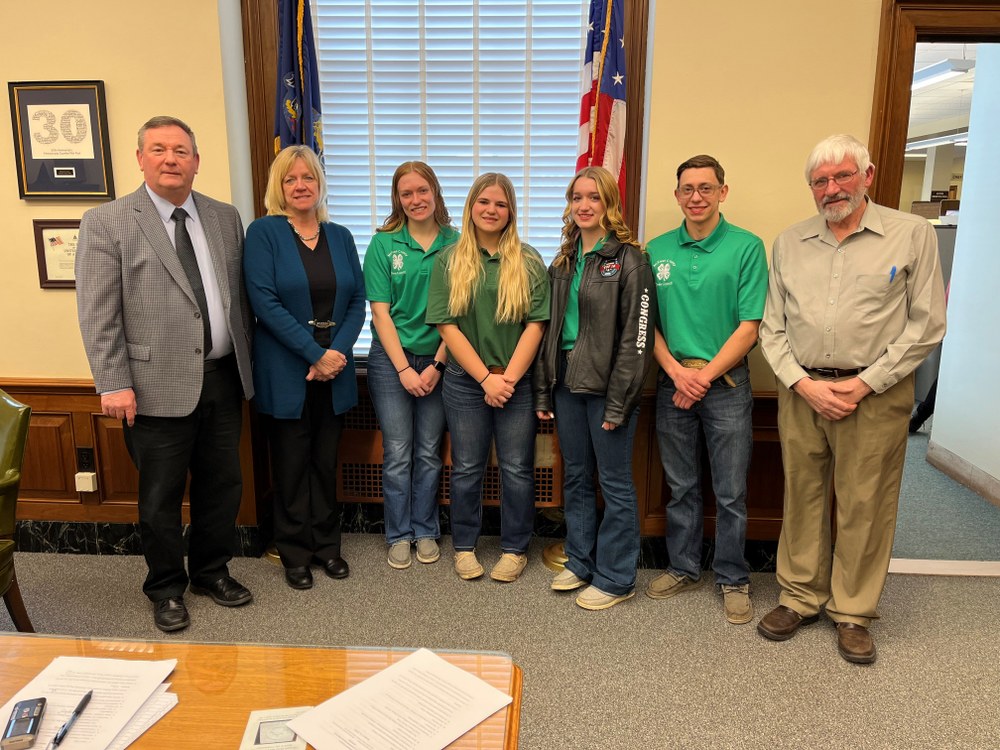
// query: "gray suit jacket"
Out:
[137,310]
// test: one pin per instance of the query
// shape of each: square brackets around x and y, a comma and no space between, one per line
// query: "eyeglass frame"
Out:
[840,179]
[700,189]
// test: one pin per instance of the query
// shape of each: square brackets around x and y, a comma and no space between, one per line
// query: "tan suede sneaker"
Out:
[399,555]
[509,567]
[668,585]
[737,604]
[467,565]
[427,551]
[594,599]
[567,580]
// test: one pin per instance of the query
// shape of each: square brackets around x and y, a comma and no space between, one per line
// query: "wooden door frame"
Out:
[904,23]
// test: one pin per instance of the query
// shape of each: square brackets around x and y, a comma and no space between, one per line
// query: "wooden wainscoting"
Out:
[66,418]
[66,423]
[765,485]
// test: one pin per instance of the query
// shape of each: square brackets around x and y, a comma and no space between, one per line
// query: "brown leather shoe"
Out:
[781,623]
[855,643]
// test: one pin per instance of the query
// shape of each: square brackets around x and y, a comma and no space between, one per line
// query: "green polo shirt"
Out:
[398,271]
[571,318]
[706,288]
[494,342]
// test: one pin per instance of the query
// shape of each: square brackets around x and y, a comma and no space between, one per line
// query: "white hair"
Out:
[835,149]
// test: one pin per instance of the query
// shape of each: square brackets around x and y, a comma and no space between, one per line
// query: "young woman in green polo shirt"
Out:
[406,360]
[489,297]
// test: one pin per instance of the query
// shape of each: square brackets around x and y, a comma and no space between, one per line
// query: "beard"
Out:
[839,211]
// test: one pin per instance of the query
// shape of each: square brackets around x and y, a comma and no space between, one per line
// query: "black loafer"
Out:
[336,567]
[299,577]
[171,614]
[227,591]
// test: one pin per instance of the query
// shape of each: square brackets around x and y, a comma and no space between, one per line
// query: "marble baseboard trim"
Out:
[105,538]
[358,518]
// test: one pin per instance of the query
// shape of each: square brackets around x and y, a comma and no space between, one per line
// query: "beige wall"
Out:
[755,84]
[154,58]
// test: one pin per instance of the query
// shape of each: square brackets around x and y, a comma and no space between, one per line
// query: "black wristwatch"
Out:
[440,366]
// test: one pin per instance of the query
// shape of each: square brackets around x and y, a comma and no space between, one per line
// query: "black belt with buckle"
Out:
[211,365]
[836,372]
[321,324]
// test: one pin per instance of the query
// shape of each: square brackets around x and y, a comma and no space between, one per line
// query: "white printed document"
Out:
[121,687]
[421,702]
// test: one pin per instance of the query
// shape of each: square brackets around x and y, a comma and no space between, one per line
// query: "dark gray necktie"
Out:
[185,253]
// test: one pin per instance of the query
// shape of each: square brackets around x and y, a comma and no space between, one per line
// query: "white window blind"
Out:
[466,86]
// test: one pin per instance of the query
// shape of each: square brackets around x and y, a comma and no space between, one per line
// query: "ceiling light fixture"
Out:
[959,139]
[940,72]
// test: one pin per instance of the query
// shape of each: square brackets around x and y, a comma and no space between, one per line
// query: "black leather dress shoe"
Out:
[171,614]
[299,577]
[227,591]
[336,567]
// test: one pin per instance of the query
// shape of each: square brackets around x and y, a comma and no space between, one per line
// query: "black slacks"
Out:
[304,472]
[164,450]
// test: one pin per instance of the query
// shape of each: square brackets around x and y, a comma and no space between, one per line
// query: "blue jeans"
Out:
[473,425]
[412,431]
[724,417]
[605,556]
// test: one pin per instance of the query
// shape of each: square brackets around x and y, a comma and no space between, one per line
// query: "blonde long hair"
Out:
[465,268]
[274,196]
[613,221]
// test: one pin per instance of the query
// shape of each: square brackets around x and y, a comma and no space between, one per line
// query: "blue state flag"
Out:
[298,113]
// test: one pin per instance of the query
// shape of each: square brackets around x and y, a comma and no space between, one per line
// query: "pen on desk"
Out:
[64,730]
[892,274]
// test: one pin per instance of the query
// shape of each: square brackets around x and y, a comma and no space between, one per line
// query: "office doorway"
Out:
[926,66]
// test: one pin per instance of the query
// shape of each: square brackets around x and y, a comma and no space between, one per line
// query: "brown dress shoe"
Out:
[781,623]
[855,643]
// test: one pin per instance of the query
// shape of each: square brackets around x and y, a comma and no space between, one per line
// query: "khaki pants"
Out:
[863,456]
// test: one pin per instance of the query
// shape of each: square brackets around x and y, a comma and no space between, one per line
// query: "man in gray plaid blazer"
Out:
[166,327]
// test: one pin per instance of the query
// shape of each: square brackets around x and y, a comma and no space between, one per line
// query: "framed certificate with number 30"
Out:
[61,139]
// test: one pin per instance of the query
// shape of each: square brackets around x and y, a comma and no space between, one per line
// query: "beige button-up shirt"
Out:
[874,300]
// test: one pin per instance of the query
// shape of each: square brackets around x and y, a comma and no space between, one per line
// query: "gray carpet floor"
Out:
[940,519]
[657,674]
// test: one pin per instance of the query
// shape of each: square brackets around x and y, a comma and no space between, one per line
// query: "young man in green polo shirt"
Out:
[711,284]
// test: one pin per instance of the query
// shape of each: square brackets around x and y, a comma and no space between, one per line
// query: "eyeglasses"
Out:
[705,191]
[841,178]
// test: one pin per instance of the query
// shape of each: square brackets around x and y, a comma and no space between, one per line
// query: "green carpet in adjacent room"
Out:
[939,519]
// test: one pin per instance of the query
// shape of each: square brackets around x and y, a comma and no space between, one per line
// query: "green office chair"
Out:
[13,435]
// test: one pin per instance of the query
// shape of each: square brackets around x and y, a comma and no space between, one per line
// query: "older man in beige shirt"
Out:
[855,302]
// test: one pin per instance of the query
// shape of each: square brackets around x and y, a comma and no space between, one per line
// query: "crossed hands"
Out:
[419,383]
[327,367]
[832,400]
[498,389]
[691,385]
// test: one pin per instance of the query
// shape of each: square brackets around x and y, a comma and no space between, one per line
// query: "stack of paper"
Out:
[129,697]
[421,702]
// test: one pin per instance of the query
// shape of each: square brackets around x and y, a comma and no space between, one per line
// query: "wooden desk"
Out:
[218,685]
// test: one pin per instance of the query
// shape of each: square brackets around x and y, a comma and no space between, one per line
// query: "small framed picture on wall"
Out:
[55,247]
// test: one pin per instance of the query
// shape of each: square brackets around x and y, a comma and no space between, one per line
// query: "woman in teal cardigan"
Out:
[306,288]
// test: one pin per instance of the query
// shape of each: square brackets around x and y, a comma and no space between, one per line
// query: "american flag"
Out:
[602,105]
